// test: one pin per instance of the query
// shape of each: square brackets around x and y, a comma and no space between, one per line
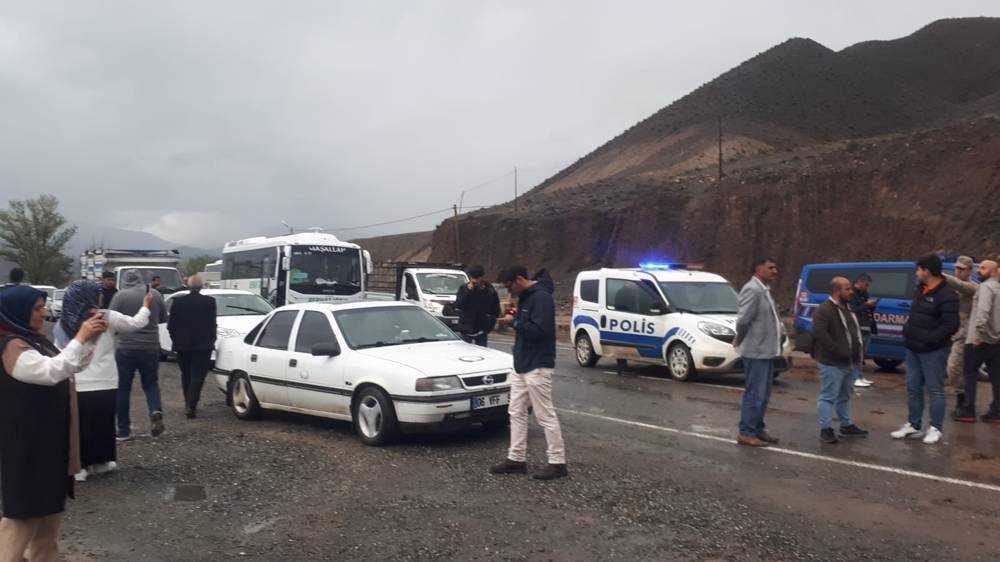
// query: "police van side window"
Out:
[589,290]
[886,283]
[631,296]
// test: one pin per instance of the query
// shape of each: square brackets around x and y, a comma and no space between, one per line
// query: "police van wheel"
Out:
[680,363]
[585,354]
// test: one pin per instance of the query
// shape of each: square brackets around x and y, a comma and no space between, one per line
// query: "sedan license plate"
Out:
[490,401]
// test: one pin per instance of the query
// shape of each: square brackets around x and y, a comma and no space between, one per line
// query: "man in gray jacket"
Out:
[758,339]
[982,345]
[138,351]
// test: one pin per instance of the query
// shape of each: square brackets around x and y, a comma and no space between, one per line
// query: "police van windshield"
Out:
[700,297]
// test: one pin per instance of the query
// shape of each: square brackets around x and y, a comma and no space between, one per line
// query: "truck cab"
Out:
[659,314]
[433,287]
[170,278]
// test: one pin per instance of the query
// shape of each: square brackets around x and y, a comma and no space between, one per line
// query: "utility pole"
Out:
[515,188]
[457,251]
[720,147]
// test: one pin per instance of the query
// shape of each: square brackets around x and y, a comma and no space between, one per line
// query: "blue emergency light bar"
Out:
[662,266]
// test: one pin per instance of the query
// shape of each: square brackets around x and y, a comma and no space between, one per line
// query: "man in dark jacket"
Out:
[837,348]
[531,383]
[863,306]
[478,307]
[109,286]
[927,338]
[192,328]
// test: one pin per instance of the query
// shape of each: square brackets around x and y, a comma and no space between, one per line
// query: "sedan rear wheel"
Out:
[374,417]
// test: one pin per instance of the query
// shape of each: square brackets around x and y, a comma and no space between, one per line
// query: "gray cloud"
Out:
[201,122]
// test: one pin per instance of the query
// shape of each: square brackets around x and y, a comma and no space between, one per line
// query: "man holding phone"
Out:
[863,307]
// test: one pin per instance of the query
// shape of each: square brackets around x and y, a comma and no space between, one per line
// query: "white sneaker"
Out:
[81,476]
[907,431]
[933,436]
[863,383]
[104,467]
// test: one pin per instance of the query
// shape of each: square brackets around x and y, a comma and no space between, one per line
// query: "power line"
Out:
[395,221]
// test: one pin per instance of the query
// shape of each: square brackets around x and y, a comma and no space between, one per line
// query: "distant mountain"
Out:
[90,236]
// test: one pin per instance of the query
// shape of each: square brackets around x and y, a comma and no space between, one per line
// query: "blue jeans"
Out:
[836,390]
[148,365]
[926,370]
[757,392]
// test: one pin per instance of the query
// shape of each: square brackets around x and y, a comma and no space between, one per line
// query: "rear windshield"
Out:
[886,283]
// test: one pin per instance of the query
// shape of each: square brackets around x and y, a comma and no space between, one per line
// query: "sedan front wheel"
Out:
[374,417]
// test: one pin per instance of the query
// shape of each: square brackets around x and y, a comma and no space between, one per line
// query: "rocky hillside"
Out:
[414,246]
[883,150]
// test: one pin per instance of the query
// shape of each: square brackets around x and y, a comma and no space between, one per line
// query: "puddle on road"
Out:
[186,493]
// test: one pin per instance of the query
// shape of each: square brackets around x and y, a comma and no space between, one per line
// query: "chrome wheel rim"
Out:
[370,417]
[583,350]
[678,363]
[241,396]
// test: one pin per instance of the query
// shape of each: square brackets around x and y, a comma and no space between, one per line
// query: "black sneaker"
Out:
[992,417]
[510,467]
[767,438]
[190,413]
[156,424]
[853,431]
[963,415]
[551,472]
[827,435]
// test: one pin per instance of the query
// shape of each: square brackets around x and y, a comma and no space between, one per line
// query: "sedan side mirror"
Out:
[327,349]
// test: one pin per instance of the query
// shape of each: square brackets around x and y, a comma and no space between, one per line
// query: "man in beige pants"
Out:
[531,383]
[966,289]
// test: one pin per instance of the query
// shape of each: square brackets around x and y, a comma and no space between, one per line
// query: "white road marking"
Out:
[661,379]
[792,452]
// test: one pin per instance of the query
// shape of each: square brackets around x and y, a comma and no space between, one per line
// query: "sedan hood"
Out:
[443,358]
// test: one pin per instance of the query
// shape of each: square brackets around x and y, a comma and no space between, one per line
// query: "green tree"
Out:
[32,236]
[197,264]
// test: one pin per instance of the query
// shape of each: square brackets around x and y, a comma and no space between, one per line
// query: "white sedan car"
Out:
[237,312]
[385,366]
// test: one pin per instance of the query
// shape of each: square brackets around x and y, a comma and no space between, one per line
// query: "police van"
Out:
[660,314]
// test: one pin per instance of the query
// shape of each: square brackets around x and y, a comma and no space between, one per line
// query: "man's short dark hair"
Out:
[476,271]
[759,262]
[16,275]
[108,275]
[932,263]
[154,277]
[510,274]
[863,277]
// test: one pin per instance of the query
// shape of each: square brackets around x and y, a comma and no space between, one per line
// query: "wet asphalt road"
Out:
[655,475]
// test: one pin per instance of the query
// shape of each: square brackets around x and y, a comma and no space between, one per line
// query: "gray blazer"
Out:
[758,331]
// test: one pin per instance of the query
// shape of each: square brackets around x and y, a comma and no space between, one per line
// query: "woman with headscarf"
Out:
[97,385]
[38,434]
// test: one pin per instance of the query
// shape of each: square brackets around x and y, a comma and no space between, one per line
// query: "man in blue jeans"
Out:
[838,350]
[138,351]
[927,338]
[758,339]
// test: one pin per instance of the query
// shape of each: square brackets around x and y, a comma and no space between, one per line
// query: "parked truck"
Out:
[150,263]
[433,286]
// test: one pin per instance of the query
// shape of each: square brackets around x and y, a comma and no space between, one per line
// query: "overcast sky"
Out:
[205,121]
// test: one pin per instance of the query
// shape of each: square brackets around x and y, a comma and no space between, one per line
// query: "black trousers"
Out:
[479,339]
[97,426]
[194,366]
[974,358]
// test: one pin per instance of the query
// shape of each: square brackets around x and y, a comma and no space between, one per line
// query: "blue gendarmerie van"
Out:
[893,283]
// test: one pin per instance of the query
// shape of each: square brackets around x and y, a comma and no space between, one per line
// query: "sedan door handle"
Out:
[292,362]
[253,358]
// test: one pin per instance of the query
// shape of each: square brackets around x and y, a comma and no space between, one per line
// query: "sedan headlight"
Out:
[226,332]
[431,384]
[717,331]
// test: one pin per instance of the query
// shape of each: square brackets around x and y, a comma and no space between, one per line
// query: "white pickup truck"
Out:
[431,286]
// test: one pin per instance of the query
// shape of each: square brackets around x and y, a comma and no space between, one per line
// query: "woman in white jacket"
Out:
[97,385]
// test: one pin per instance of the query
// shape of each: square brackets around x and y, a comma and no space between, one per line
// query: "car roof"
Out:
[663,275]
[435,270]
[334,307]
[213,292]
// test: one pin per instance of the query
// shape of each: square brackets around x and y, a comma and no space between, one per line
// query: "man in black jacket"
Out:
[478,307]
[927,338]
[863,306]
[837,348]
[192,328]
[531,383]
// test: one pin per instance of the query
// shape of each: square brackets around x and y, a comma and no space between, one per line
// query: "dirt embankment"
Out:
[880,198]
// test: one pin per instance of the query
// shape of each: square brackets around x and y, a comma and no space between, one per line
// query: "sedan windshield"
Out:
[383,326]
[240,305]
[441,283]
[700,298]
